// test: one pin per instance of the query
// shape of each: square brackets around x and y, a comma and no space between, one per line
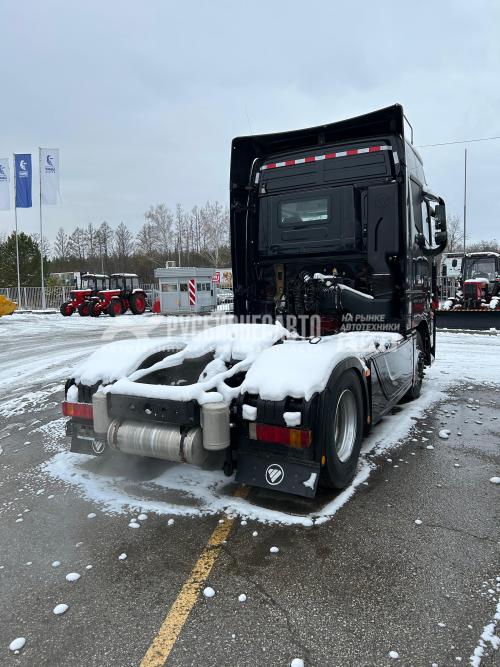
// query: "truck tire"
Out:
[94,309]
[416,388]
[84,309]
[67,309]
[138,303]
[341,422]
[115,308]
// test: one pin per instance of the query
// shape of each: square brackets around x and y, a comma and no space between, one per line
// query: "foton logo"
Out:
[22,166]
[274,474]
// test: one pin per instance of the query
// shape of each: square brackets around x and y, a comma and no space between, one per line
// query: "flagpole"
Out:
[44,305]
[17,240]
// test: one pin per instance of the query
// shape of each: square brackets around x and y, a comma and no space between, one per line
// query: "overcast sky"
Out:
[143,98]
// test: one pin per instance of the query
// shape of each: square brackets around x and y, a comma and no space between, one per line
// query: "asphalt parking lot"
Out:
[409,564]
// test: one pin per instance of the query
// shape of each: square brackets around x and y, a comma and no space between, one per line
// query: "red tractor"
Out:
[123,293]
[79,299]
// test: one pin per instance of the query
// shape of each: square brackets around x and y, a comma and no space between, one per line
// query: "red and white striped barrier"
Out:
[192,291]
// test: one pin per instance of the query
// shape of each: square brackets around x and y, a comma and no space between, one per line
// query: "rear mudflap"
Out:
[270,471]
[83,438]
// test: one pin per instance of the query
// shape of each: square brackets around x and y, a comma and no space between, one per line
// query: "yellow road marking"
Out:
[161,646]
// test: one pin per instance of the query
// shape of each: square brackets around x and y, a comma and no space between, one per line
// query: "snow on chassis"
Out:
[334,234]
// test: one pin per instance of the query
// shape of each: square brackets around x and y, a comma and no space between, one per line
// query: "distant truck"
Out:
[334,235]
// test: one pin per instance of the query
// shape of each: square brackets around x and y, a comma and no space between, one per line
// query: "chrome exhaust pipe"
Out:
[163,441]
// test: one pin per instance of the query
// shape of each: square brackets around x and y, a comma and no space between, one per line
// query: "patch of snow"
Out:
[118,359]
[255,533]
[274,550]
[495,480]
[142,517]
[242,597]
[297,662]
[208,592]
[292,418]
[122,556]
[170,522]
[430,447]
[134,524]
[310,481]
[56,563]
[299,369]
[92,515]
[60,609]
[72,394]
[418,522]
[394,655]
[249,412]
[444,433]
[88,567]
[17,644]
[73,576]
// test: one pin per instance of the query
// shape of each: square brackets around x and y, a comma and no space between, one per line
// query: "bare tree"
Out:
[147,240]
[123,243]
[161,219]
[91,234]
[104,242]
[482,246]
[455,234]
[44,245]
[61,248]
[215,223]
[77,244]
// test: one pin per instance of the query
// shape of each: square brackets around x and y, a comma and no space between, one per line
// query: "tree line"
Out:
[196,237]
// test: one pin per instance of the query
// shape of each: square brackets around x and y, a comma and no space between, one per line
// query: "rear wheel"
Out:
[84,309]
[341,429]
[94,309]
[115,308]
[67,309]
[138,303]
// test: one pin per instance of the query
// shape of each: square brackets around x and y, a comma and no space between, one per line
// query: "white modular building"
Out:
[186,289]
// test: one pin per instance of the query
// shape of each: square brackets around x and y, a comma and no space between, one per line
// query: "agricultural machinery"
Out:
[476,305]
[123,294]
[79,299]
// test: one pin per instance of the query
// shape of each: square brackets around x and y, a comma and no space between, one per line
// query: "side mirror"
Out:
[439,215]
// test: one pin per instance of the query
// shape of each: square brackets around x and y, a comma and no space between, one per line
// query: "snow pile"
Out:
[242,343]
[17,644]
[292,418]
[120,358]
[300,369]
[488,636]
[60,609]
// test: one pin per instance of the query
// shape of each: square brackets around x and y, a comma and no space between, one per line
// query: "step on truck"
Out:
[334,235]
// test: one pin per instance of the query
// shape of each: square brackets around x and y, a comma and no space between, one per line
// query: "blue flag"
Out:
[23,180]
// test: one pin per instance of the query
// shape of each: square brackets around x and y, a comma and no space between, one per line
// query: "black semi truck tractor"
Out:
[334,235]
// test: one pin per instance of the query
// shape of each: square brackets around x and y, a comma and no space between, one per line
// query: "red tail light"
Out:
[293,437]
[78,410]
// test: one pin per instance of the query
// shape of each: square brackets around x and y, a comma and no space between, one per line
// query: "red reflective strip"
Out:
[80,410]
[328,156]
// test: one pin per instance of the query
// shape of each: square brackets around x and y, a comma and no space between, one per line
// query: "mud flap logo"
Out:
[98,446]
[274,474]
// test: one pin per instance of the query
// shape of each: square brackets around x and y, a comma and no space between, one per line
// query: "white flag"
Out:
[49,175]
[4,184]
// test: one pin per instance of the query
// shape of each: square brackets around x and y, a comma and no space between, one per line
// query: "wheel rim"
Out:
[140,304]
[117,308]
[345,427]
